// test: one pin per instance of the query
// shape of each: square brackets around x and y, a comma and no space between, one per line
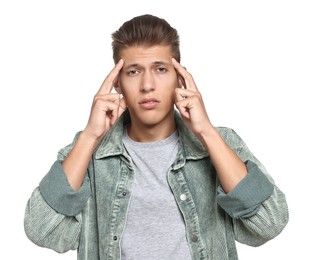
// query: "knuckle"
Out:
[97,99]
[196,97]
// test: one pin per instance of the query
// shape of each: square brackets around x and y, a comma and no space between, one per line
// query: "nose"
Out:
[147,82]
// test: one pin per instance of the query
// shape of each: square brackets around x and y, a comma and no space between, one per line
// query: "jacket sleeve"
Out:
[53,215]
[268,222]
[47,228]
[256,206]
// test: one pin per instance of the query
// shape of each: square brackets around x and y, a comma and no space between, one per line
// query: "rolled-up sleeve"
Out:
[258,208]
[59,195]
[245,199]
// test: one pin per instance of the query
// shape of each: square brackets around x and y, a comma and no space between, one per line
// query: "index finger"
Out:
[189,82]
[108,83]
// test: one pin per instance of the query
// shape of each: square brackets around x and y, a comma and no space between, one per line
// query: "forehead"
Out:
[146,55]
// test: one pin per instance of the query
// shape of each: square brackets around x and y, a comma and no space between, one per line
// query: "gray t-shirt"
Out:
[155,228]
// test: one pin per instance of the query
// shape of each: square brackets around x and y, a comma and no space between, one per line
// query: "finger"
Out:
[184,107]
[111,111]
[122,106]
[187,78]
[182,94]
[114,115]
[108,83]
[116,110]
[179,95]
[105,98]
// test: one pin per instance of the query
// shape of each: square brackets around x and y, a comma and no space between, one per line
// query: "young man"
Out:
[144,180]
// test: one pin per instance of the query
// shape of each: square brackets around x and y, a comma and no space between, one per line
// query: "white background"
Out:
[252,61]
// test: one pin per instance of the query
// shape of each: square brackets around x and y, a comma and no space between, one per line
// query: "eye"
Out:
[132,72]
[161,69]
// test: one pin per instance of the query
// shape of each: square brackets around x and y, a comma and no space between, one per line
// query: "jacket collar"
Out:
[190,146]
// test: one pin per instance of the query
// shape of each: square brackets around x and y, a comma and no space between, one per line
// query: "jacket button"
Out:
[124,193]
[183,197]
[194,238]
[115,238]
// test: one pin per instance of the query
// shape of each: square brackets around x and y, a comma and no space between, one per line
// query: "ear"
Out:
[117,87]
[181,82]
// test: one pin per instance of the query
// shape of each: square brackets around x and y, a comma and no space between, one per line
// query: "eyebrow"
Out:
[153,63]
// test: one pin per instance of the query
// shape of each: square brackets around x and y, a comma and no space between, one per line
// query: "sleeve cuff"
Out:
[58,193]
[244,200]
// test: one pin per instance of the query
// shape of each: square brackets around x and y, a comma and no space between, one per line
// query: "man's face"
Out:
[147,82]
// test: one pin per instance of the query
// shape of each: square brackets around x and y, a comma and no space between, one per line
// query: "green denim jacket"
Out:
[92,219]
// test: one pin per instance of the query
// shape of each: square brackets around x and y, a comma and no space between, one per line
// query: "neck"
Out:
[151,133]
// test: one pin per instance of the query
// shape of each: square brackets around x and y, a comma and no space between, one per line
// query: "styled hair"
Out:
[145,31]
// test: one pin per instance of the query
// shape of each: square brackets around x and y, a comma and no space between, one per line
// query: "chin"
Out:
[154,118]
[150,121]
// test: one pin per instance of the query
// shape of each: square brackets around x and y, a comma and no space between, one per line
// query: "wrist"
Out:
[89,140]
[208,136]
[207,130]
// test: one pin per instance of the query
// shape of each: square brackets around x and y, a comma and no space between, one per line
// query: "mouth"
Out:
[149,103]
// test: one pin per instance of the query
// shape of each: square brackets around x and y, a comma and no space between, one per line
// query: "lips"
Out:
[149,103]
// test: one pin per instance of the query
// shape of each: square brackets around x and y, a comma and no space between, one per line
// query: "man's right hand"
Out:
[106,107]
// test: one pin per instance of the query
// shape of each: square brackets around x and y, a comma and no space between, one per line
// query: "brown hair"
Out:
[145,30]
